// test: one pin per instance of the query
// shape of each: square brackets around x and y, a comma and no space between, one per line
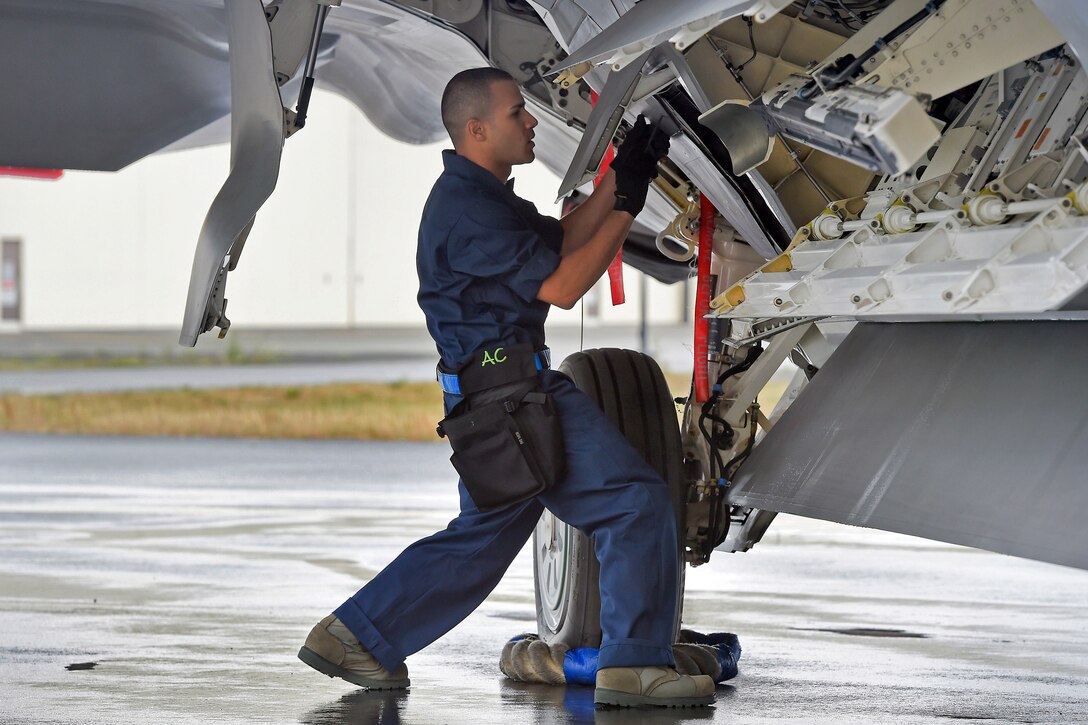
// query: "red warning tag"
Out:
[615,279]
[615,269]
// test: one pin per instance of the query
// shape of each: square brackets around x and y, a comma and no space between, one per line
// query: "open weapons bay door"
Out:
[974,433]
[257,136]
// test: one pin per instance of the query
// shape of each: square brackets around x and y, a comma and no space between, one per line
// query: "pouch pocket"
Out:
[506,451]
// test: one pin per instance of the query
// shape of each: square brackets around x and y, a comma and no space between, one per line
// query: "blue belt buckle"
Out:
[449,382]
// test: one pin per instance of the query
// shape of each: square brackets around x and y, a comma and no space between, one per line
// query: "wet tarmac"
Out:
[189,571]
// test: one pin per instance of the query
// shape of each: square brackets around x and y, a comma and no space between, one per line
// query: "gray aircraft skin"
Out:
[901,191]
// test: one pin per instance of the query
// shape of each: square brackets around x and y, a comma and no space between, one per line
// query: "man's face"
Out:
[510,127]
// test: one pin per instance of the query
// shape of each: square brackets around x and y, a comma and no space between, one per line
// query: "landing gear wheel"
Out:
[632,392]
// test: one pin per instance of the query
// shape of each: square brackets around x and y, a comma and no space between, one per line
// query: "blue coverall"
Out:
[483,254]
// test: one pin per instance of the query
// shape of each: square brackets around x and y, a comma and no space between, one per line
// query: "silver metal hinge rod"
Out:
[311,64]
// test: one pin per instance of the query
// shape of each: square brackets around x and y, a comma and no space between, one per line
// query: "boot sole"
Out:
[626,699]
[325,667]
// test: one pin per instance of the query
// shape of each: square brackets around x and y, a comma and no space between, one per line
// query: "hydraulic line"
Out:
[717,440]
[702,300]
[752,43]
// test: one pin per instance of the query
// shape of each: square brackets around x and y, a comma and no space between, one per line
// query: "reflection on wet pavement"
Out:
[191,570]
[546,705]
[522,703]
[865,632]
[538,704]
[360,706]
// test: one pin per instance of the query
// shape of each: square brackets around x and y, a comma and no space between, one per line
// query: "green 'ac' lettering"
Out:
[493,358]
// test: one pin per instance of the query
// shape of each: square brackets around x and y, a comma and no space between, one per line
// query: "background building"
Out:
[333,247]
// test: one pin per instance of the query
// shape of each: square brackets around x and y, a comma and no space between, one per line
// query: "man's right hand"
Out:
[635,164]
[593,233]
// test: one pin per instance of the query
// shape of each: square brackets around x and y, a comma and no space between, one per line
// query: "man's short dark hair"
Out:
[468,95]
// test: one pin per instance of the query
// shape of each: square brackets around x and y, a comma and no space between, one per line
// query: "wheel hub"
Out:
[551,541]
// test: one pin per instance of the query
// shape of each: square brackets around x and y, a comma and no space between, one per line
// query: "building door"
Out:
[11,283]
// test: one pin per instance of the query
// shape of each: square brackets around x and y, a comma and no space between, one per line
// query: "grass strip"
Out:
[366,411]
[79,362]
[360,411]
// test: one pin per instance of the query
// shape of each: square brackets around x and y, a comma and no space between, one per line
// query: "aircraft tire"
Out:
[631,390]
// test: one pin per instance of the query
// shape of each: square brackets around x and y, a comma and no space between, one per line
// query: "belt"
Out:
[451,382]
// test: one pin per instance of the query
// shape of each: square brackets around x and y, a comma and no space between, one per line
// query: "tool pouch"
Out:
[507,444]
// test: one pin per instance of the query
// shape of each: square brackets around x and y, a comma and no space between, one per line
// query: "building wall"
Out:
[333,246]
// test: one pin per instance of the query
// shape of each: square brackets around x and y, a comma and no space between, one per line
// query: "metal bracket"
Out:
[755,378]
[291,23]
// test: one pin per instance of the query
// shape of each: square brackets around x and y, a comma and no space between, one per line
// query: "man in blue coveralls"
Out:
[489,268]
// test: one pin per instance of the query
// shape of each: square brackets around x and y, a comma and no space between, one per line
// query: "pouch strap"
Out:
[487,412]
[535,398]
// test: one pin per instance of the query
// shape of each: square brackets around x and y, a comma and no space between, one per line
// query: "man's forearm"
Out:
[580,270]
[584,222]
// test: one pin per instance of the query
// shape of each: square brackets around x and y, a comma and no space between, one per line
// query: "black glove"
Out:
[644,145]
[635,164]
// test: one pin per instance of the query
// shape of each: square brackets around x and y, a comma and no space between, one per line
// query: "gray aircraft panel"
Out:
[1071,19]
[167,77]
[651,22]
[970,433]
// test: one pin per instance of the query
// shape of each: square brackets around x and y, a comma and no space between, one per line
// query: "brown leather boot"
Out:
[660,686]
[333,650]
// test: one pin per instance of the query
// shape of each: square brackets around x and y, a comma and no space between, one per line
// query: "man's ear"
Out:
[476,130]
